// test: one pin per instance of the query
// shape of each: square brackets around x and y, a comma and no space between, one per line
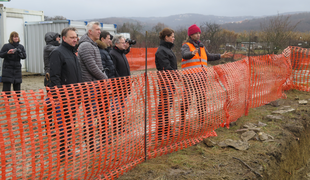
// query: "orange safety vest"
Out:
[196,61]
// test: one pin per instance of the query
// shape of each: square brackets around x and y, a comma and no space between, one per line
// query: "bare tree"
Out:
[278,32]
[211,34]
[180,35]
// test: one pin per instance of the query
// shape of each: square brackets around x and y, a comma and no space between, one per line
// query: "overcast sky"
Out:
[90,9]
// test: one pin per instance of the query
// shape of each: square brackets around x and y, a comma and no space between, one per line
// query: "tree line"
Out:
[273,36]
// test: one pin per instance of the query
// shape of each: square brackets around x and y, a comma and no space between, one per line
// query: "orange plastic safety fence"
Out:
[136,58]
[95,130]
[268,75]
[300,58]
[239,56]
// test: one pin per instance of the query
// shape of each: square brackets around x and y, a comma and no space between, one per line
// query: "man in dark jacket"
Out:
[52,40]
[107,62]
[64,65]
[118,56]
[64,69]
[123,69]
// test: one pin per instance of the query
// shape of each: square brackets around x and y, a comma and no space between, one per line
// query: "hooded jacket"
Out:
[90,59]
[164,57]
[51,44]
[107,61]
[11,69]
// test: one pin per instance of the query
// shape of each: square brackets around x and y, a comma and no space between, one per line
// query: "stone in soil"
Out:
[239,145]
[248,135]
[249,125]
[209,143]
[277,103]
[284,109]
[303,102]
[264,137]
[260,124]
[273,117]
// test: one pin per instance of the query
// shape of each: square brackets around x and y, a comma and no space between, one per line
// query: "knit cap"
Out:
[193,29]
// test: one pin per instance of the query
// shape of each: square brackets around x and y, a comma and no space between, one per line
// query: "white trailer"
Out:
[12,19]
[35,33]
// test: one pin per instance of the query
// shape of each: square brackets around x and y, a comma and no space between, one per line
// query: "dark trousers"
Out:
[164,106]
[7,86]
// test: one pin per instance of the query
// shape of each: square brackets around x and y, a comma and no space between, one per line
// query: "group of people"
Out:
[98,55]
[93,57]
[194,55]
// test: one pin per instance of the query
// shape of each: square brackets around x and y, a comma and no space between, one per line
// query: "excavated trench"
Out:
[291,159]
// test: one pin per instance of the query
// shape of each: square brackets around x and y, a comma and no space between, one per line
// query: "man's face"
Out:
[107,40]
[70,38]
[94,33]
[121,45]
[195,36]
[58,39]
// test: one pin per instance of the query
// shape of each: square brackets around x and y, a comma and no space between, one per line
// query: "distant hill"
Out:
[238,24]
[254,24]
[174,21]
[185,20]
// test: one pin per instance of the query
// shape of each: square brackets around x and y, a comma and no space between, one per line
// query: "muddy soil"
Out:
[287,156]
[30,82]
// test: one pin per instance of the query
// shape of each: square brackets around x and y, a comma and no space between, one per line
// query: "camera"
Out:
[131,41]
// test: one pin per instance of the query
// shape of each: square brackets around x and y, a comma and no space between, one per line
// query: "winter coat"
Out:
[187,54]
[164,57]
[120,61]
[90,59]
[107,61]
[11,69]
[51,44]
[64,66]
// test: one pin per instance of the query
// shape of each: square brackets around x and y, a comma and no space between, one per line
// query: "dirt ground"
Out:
[31,82]
[286,157]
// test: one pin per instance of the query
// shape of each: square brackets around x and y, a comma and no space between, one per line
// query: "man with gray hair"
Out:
[118,55]
[89,54]
[92,70]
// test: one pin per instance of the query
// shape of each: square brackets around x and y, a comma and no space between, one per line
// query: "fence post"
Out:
[145,113]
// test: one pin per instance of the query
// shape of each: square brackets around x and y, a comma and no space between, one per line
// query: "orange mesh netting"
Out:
[136,58]
[95,130]
[300,58]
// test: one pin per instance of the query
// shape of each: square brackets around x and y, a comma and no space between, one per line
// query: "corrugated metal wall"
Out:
[80,26]
[35,43]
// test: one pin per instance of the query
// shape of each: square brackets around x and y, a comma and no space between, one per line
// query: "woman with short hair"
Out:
[12,53]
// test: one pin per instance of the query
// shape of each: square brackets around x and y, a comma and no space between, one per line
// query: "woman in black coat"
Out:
[12,53]
[165,60]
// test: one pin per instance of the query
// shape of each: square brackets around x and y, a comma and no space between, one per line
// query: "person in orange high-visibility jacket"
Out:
[195,55]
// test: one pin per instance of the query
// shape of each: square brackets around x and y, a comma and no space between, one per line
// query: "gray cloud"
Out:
[88,9]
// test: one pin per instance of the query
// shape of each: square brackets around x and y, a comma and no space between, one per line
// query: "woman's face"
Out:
[170,38]
[15,39]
